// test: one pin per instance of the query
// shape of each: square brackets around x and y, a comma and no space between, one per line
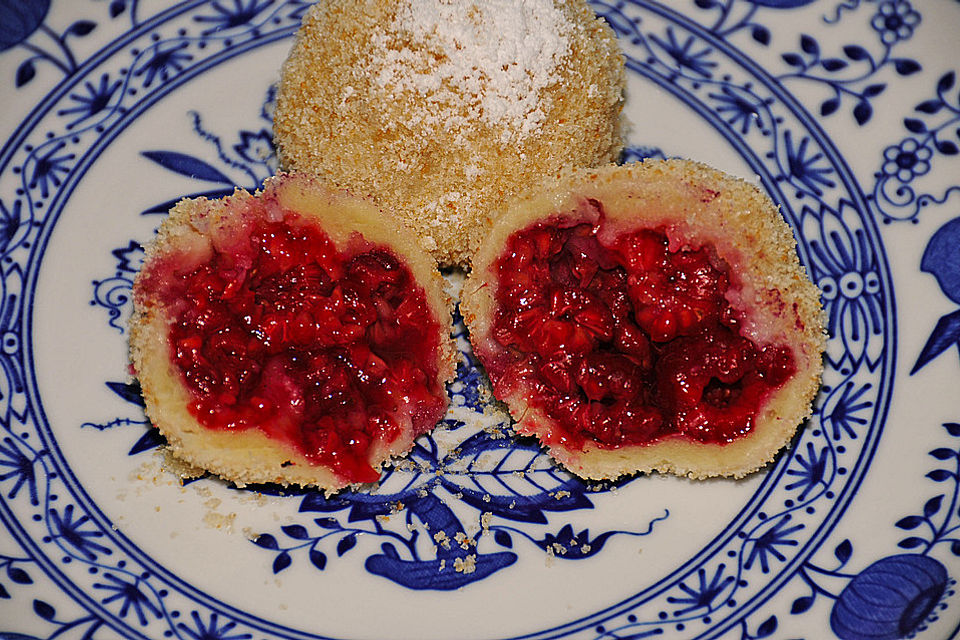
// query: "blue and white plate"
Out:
[846,111]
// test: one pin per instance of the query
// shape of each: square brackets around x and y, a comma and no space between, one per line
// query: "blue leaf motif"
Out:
[281,562]
[18,575]
[767,627]
[129,391]
[856,52]
[932,506]
[318,559]
[760,34]
[911,543]
[522,496]
[81,27]
[44,610]
[25,73]
[945,334]
[915,126]
[346,543]
[930,106]
[906,67]
[942,453]
[909,522]
[295,531]
[328,523]
[843,551]
[266,541]
[946,81]
[862,112]
[793,59]
[187,165]
[833,64]
[151,439]
[511,480]
[947,148]
[940,475]
[800,605]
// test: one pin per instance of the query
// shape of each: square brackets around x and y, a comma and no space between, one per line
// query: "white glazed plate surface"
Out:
[846,111]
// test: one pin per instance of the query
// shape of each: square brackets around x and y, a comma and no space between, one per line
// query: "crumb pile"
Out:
[441,111]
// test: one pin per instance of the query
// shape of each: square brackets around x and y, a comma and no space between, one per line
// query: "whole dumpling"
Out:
[442,111]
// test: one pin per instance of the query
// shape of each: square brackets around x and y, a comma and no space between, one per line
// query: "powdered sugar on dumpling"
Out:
[495,56]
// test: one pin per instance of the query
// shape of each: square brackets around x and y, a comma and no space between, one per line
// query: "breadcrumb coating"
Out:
[443,111]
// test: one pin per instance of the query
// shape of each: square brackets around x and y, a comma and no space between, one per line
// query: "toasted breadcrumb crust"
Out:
[191,229]
[697,205]
[440,168]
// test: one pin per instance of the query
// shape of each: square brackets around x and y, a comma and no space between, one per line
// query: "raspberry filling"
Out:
[334,352]
[623,339]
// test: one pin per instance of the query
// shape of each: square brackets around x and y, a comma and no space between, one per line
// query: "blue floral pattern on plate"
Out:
[473,508]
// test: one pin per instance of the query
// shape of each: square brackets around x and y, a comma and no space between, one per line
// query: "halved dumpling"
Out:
[651,316]
[297,336]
